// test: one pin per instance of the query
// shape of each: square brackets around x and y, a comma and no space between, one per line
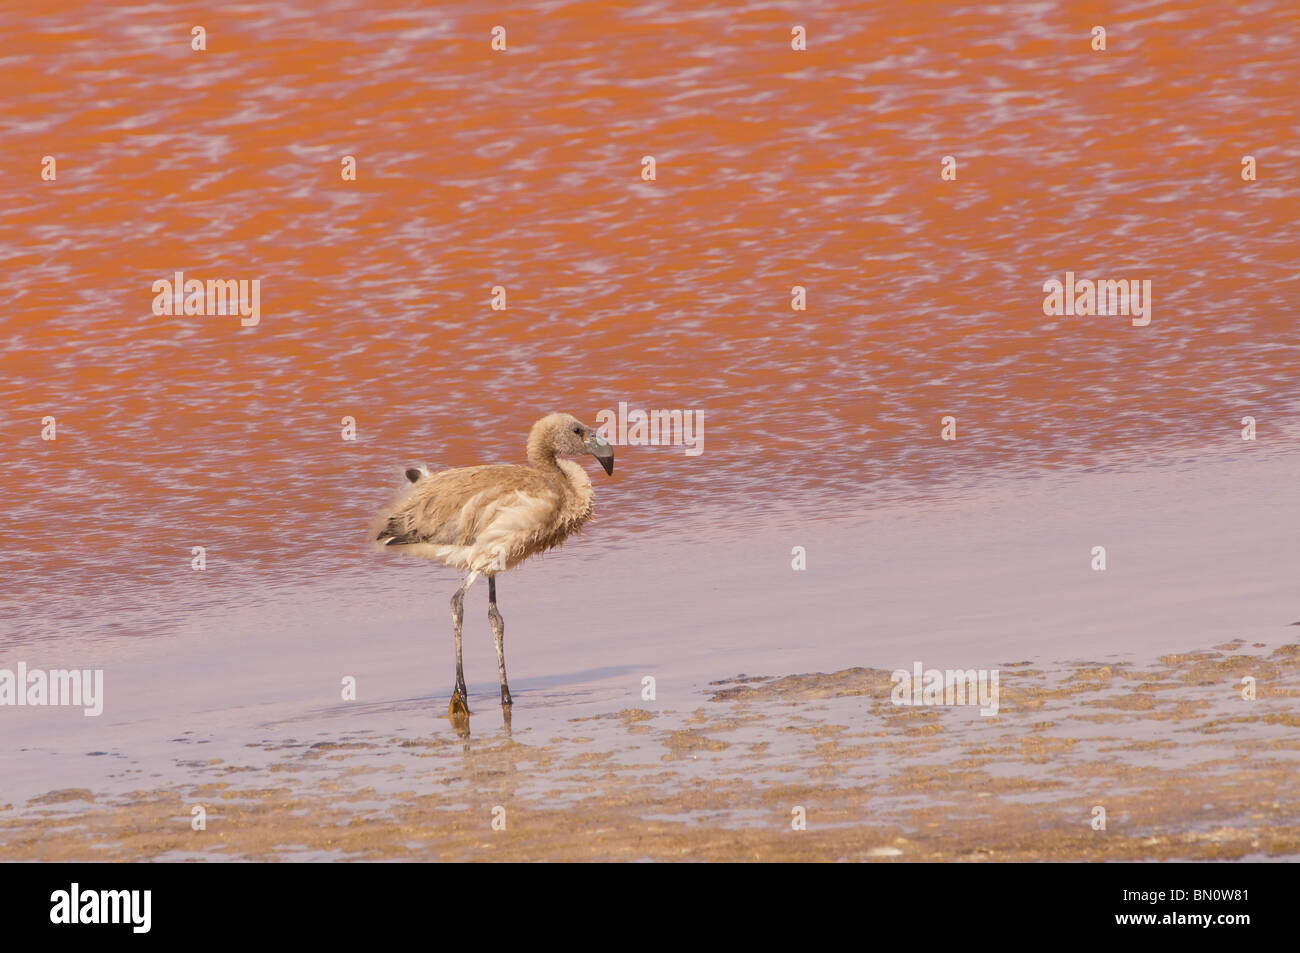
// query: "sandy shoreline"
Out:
[720,782]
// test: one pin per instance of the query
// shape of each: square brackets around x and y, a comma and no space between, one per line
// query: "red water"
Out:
[477,168]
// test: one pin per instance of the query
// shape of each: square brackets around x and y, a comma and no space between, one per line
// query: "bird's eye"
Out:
[578,431]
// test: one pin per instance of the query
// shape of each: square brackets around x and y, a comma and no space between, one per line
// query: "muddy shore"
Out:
[1183,765]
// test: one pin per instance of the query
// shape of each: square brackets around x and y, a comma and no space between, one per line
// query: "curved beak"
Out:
[602,450]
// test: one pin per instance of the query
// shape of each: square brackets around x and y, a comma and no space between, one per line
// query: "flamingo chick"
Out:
[487,519]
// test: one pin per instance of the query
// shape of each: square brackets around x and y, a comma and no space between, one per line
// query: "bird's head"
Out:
[566,435]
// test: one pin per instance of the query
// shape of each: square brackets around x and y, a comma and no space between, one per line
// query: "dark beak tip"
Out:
[608,464]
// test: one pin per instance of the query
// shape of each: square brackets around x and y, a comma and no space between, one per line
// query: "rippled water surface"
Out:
[522,169]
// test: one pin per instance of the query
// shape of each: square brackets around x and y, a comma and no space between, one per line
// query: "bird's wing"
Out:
[469,506]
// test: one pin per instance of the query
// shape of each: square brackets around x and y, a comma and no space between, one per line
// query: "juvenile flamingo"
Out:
[487,519]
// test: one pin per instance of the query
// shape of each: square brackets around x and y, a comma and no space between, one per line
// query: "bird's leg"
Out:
[499,632]
[457,617]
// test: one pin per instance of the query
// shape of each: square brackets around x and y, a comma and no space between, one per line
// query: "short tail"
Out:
[390,530]
[394,534]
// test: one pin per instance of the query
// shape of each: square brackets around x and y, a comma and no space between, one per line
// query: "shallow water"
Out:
[988,579]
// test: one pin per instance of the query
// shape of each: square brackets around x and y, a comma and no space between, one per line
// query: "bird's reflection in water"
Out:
[458,715]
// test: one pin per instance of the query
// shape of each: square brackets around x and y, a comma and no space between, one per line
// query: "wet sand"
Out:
[1185,768]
